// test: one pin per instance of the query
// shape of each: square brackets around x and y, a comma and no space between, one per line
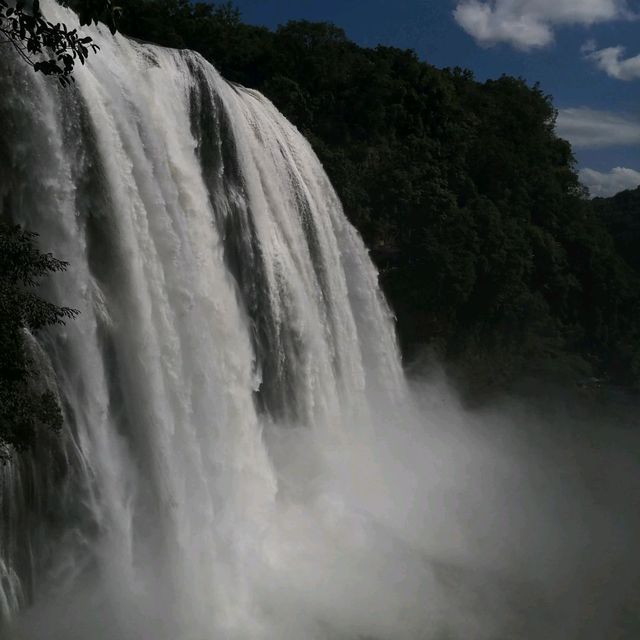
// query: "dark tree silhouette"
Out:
[26,402]
[51,49]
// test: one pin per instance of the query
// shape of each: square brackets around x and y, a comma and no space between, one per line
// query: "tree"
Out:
[26,403]
[51,49]
[96,11]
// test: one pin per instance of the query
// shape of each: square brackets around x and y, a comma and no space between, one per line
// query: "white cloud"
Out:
[612,61]
[591,129]
[608,184]
[527,24]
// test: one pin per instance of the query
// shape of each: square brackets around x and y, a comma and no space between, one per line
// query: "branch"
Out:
[32,35]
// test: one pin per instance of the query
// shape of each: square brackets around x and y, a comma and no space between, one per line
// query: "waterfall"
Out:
[224,301]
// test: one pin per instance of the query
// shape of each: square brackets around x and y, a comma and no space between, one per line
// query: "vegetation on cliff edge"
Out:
[28,402]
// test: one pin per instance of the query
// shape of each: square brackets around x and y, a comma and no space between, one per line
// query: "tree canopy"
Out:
[620,214]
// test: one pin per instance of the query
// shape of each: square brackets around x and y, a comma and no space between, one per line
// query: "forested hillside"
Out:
[488,247]
[621,215]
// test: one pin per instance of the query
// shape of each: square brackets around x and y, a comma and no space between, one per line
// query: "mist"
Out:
[517,519]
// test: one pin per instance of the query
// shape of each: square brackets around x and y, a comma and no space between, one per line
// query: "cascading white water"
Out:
[222,295]
[241,457]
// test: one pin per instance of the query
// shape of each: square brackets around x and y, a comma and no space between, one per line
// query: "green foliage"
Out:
[487,245]
[51,49]
[26,405]
[95,11]
[621,215]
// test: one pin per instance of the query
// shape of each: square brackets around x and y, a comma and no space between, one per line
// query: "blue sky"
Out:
[585,53]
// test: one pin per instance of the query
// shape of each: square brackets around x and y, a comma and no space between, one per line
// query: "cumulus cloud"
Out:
[526,24]
[590,129]
[608,184]
[611,60]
